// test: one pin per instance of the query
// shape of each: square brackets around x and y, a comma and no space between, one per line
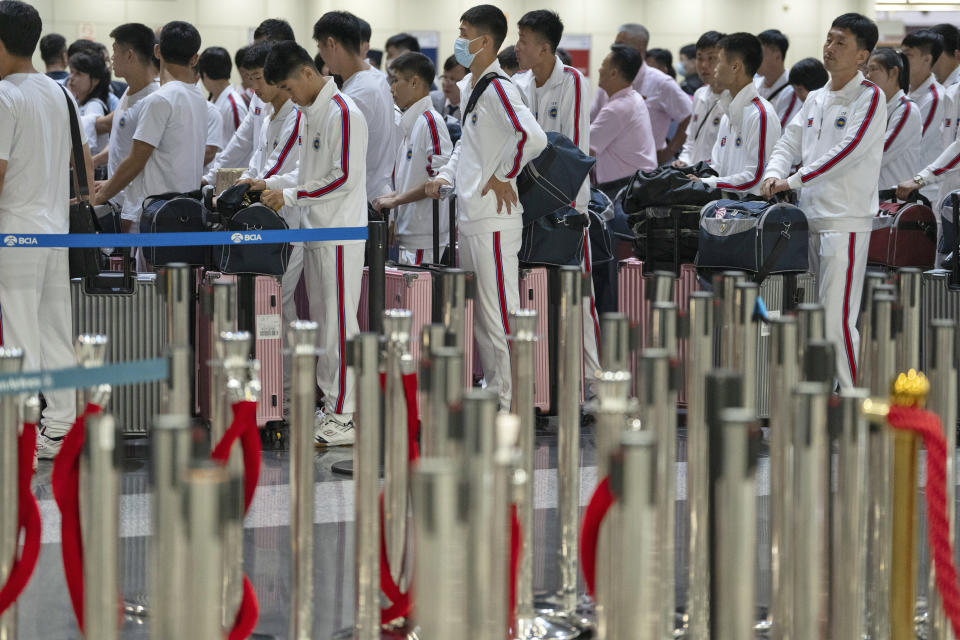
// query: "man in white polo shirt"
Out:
[34,198]
[214,66]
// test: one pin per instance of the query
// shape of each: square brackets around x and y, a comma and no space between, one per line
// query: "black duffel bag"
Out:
[175,213]
[601,213]
[258,259]
[758,237]
[668,186]
[665,237]
[555,239]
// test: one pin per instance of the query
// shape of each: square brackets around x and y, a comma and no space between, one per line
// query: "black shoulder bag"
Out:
[478,90]
[84,262]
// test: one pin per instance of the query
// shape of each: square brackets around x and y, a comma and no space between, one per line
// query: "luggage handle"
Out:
[775,254]
[915,196]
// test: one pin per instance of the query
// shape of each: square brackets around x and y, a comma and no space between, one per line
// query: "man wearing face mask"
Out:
[500,136]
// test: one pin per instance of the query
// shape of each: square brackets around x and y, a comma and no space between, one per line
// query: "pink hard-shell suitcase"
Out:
[533,295]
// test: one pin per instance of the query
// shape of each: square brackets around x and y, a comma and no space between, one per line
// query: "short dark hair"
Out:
[564,56]
[487,19]
[365,31]
[179,42]
[403,41]
[808,73]
[319,63]
[927,41]
[508,58]
[83,45]
[416,64]
[863,28]
[274,29]
[450,63]
[238,57]
[890,59]
[284,59]
[949,33]
[20,27]
[663,56]
[138,37]
[255,55]
[52,47]
[95,67]
[626,60]
[775,38]
[708,40]
[746,47]
[342,26]
[215,63]
[544,23]
[688,51]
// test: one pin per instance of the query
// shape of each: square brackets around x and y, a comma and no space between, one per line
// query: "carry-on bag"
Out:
[757,237]
[904,233]
[175,213]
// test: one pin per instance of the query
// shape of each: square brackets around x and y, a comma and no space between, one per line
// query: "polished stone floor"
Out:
[45,612]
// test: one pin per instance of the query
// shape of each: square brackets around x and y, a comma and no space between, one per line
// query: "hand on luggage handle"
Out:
[914,196]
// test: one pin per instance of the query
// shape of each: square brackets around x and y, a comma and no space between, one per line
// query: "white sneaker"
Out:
[333,430]
[48,448]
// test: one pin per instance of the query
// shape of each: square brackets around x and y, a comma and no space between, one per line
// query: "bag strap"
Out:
[478,90]
[706,117]
[79,162]
[777,92]
[775,254]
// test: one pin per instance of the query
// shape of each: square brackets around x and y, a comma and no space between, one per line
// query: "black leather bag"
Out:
[84,262]
[668,186]
[258,259]
[174,213]
[601,213]
[554,240]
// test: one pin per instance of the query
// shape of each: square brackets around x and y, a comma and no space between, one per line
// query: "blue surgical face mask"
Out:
[461,51]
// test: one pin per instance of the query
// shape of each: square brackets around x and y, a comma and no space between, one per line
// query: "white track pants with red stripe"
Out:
[839,259]
[35,298]
[591,321]
[333,273]
[493,258]
[418,256]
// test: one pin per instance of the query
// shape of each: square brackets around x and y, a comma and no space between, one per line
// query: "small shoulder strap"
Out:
[79,163]
[777,92]
[478,90]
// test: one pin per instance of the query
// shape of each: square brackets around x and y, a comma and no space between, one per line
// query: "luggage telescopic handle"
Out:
[915,196]
[436,231]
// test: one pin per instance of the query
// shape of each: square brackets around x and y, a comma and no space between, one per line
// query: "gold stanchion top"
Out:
[910,389]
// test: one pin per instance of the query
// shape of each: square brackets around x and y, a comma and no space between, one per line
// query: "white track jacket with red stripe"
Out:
[500,136]
[837,139]
[562,105]
[423,151]
[331,183]
[277,152]
[748,132]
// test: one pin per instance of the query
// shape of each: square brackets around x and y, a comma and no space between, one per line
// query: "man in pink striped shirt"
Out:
[666,101]
[620,134]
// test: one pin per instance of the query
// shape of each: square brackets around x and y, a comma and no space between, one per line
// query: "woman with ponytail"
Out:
[890,71]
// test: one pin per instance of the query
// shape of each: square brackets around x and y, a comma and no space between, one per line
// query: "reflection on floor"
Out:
[45,612]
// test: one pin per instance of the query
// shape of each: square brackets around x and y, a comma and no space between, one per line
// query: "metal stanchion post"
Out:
[302,338]
[908,295]
[486,608]
[661,285]
[11,360]
[179,292]
[701,316]
[663,327]
[366,470]
[724,289]
[570,351]
[873,280]
[100,504]
[633,480]
[432,336]
[508,485]
[848,516]
[880,516]
[745,340]
[442,377]
[453,304]
[738,441]
[376,260]
[810,324]
[171,444]
[396,325]
[615,338]
[610,408]
[943,402]
[205,489]
[435,484]
[784,374]
[657,395]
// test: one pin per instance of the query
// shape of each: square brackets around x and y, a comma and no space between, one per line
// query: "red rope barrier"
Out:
[28,518]
[244,428]
[401,602]
[65,482]
[927,424]
[516,544]
[600,503]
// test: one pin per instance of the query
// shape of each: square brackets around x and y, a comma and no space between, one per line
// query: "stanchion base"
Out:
[545,625]
[584,616]
[405,632]
[138,607]
[343,468]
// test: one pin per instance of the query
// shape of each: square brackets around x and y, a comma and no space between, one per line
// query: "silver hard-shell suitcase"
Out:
[131,312]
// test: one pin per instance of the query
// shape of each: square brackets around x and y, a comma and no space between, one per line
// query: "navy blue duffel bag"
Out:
[758,237]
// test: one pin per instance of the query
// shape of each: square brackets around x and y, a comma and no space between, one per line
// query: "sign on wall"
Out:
[578,46]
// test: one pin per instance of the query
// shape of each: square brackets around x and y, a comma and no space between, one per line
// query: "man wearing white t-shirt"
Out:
[133,45]
[338,37]
[35,153]
[214,66]
[168,145]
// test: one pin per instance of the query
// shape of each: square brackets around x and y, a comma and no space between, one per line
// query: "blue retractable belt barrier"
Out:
[81,377]
[189,239]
